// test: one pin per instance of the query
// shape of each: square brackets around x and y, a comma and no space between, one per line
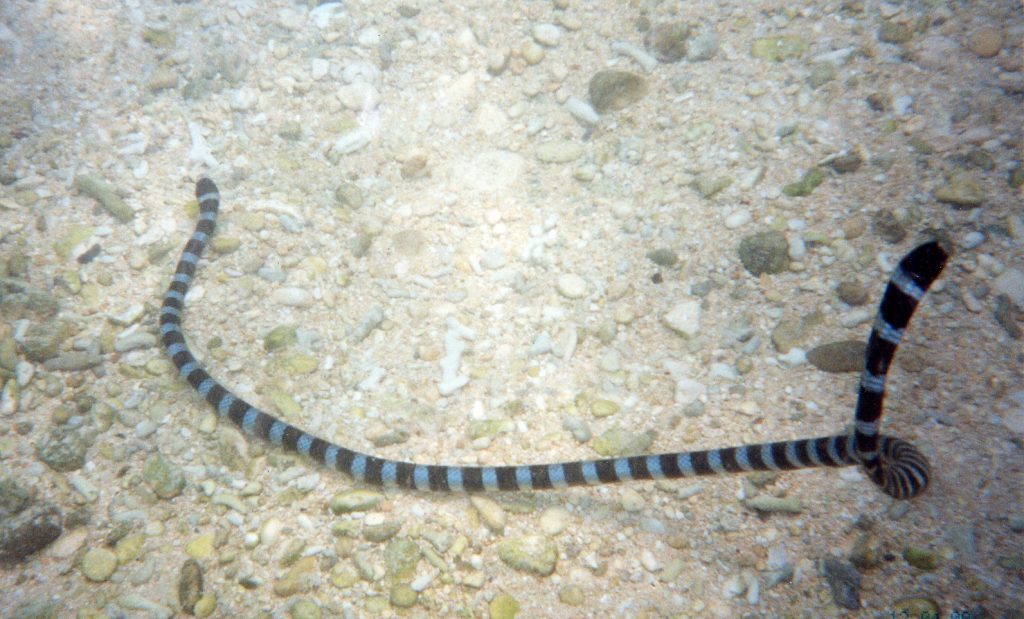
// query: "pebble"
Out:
[548,35]
[491,513]
[582,111]
[1011,283]
[301,577]
[614,90]
[571,286]
[985,42]
[554,520]
[64,449]
[668,41]
[764,252]
[844,582]
[401,557]
[960,191]
[28,531]
[98,564]
[536,554]
[559,151]
[704,46]
[355,501]
[503,606]
[200,547]
[617,442]
[163,478]
[292,297]
[737,219]
[835,357]
[770,504]
[684,318]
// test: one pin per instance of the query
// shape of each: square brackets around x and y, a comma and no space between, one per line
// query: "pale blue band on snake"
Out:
[895,465]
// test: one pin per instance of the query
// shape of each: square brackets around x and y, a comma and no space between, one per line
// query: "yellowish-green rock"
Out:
[503,606]
[97,564]
[779,48]
[200,547]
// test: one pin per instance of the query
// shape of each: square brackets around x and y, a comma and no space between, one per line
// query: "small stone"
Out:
[779,48]
[852,292]
[300,578]
[573,595]
[305,608]
[614,90]
[960,191]
[97,564]
[684,318]
[200,547]
[836,357]
[548,35]
[770,504]
[985,42]
[663,257]
[821,74]
[559,151]
[292,297]
[603,408]
[764,252]
[532,52]
[554,520]
[889,227]
[803,187]
[503,606]
[617,442]
[1011,283]
[571,286]
[129,548]
[847,162]
[63,449]
[921,558]
[536,554]
[401,556]
[668,41]
[844,581]
[163,478]
[29,531]
[704,46]
[403,596]
[355,501]
[706,186]
[895,32]
[493,516]
[279,337]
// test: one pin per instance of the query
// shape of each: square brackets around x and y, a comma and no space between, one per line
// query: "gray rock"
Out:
[64,449]
[764,252]
[163,478]
[844,581]
[29,532]
[536,554]
[615,90]
[668,41]
[836,357]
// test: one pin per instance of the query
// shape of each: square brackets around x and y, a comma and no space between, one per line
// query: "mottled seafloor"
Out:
[438,244]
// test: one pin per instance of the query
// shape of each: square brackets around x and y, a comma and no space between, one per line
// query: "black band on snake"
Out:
[895,465]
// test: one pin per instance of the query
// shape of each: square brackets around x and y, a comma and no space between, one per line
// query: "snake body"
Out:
[893,464]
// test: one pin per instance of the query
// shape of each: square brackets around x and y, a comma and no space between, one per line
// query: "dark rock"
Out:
[29,532]
[835,357]
[764,252]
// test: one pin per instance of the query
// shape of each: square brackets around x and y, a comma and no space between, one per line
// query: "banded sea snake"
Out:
[895,465]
